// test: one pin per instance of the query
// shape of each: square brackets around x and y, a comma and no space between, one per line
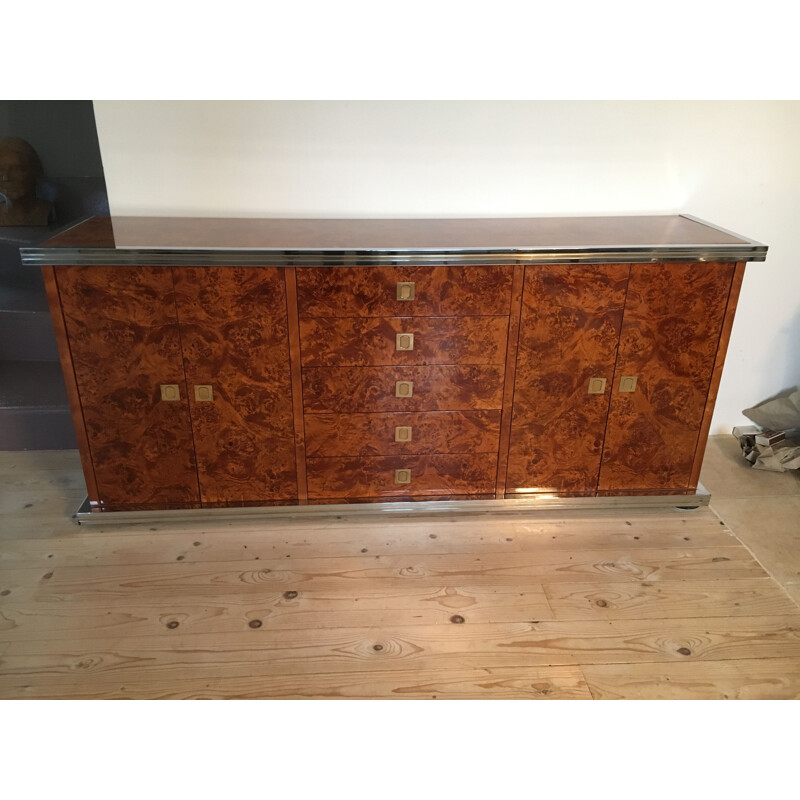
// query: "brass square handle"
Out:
[402,476]
[404,388]
[402,434]
[627,383]
[597,385]
[203,393]
[405,290]
[404,341]
[170,392]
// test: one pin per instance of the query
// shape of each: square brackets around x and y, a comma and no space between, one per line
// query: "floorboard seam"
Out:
[753,556]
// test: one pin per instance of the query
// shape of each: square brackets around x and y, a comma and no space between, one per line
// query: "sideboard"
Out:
[236,363]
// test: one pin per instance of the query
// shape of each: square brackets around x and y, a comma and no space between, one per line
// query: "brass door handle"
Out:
[404,388]
[203,393]
[405,290]
[170,392]
[402,434]
[597,385]
[402,476]
[404,341]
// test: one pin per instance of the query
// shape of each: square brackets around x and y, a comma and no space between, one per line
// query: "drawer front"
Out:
[391,434]
[450,388]
[374,291]
[377,341]
[388,476]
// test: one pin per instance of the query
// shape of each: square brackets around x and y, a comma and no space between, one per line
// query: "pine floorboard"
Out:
[599,604]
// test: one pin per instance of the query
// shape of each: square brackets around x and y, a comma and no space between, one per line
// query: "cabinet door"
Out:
[234,333]
[569,331]
[124,342]
[669,341]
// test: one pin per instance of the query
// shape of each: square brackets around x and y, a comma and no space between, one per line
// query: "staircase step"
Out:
[32,384]
[34,410]
[27,336]
[36,429]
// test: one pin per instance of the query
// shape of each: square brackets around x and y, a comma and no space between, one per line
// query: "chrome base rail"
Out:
[470,508]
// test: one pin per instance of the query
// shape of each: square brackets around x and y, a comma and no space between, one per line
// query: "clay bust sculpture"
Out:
[20,169]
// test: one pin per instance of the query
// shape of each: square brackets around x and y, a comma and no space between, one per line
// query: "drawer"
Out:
[387,476]
[376,341]
[394,434]
[374,291]
[447,388]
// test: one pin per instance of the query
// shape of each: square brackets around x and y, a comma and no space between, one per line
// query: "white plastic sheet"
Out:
[780,414]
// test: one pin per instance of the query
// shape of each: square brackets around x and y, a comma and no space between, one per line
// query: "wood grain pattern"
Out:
[178,543]
[385,649]
[569,332]
[716,376]
[494,606]
[234,332]
[124,341]
[162,506]
[401,498]
[436,388]
[375,476]
[439,291]
[283,501]
[670,334]
[740,679]
[642,492]
[371,341]
[68,369]
[668,599]
[530,683]
[251,577]
[26,619]
[515,312]
[374,434]
[297,383]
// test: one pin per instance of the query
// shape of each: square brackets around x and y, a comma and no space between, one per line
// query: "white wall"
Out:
[736,164]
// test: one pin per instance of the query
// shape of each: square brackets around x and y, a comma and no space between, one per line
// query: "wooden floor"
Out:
[639,604]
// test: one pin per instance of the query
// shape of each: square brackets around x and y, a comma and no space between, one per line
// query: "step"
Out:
[27,336]
[34,411]
[36,429]
[21,285]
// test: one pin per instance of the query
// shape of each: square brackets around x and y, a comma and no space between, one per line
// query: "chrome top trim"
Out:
[719,228]
[742,250]
[39,256]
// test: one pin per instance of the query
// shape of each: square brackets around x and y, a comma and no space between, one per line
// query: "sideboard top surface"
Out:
[183,240]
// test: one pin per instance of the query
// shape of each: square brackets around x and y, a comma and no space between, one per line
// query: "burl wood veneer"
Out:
[376,477]
[234,335]
[569,332]
[438,291]
[376,434]
[670,337]
[123,336]
[289,342]
[372,341]
[437,388]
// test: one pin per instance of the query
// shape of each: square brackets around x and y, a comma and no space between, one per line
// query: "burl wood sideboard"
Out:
[243,363]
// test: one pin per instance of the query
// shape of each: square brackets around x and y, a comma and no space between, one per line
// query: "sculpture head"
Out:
[20,169]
